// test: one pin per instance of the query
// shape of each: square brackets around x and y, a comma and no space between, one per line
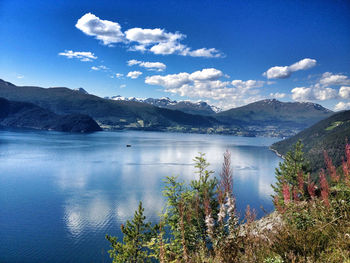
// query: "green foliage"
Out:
[199,223]
[137,234]
[287,173]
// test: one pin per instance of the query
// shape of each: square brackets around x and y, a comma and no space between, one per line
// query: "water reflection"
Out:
[90,184]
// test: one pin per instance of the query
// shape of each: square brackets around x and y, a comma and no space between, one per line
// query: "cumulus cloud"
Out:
[278,95]
[206,74]
[313,93]
[303,64]
[169,81]
[119,75]
[344,92]
[101,67]
[322,91]
[342,106]
[277,72]
[247,85]
[302,94]
[152,36]
[107,31]
[134,74]
[82,56]
[206,84]
[330,79]
[155,66]
[156,40]
[282,72]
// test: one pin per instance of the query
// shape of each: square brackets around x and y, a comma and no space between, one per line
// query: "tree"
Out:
[293,165]
[137,234]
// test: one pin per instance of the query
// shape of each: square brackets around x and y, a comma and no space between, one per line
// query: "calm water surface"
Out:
[61,193]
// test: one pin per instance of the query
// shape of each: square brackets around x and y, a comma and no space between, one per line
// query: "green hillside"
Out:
[330,134]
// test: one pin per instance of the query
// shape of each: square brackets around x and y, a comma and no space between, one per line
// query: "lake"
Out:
[61,193]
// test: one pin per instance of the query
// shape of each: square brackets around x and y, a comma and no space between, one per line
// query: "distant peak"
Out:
[81,90]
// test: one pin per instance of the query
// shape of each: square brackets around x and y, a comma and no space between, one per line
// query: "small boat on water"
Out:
[128,145]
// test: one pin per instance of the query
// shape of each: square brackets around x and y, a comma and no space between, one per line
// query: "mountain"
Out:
[329,134]
[201,107]
[28,115]
[262,118]
[108,113]
[81,90]
[274,115]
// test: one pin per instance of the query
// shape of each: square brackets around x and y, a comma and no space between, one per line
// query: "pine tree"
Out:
[136,234]
[287,173]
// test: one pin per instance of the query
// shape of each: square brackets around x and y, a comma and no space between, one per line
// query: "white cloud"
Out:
[168,48]
[106,31]
[330,79]
[101,67]
[119,75]
[324,93]
[152,36]
[342,106]
[20,76]
[157,40]
[206,84]
[169,81]
[155,66]
[206,74]
[282,72]
[122,86]
[302,94]
[278,95]
[134,74]
[303,64]
[247,85]
[277,72]
[82,56]
[321,90]
[203,52]
[313,93]
[344,92]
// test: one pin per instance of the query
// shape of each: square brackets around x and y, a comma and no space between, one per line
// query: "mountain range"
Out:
[190,107]
[262,118]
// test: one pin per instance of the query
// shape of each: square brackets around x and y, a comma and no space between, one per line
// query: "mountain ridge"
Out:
[263,118]
[200,107]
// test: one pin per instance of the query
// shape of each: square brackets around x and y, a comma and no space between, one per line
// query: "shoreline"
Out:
[276,152]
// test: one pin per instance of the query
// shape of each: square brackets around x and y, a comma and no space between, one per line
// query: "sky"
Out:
[226,52]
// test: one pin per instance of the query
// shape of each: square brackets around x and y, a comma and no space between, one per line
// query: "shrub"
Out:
[199,224]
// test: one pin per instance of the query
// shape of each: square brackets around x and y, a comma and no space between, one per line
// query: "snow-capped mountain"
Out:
[200,107]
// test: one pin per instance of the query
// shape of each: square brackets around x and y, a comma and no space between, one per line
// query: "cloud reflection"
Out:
[104,194]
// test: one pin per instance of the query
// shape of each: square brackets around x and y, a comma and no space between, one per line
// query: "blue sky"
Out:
[227,52]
